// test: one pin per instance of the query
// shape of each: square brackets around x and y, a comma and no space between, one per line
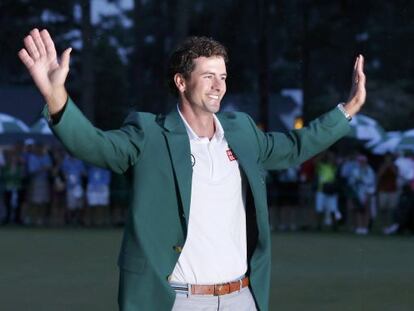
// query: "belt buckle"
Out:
[220,288]
[217,288]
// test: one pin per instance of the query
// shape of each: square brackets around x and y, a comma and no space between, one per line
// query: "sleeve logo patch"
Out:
[231,155]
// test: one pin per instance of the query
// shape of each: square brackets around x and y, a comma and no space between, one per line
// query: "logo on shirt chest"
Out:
[231,155]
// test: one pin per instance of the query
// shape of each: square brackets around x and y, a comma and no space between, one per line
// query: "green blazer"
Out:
[157,150]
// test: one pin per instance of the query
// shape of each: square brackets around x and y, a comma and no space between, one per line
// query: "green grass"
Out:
[75,269]
[342,272]
[52,269]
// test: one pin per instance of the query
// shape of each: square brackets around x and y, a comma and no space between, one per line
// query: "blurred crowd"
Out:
[45,186]
[359,193]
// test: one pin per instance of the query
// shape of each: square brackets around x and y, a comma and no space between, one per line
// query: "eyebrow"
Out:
[212,73]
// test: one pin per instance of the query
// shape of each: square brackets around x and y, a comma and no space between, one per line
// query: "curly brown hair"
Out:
[181,60]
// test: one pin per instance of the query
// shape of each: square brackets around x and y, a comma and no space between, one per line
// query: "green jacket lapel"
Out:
[237,142]
[180,153]
[242,148]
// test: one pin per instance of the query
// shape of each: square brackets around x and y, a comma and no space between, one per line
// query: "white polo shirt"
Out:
[216,247]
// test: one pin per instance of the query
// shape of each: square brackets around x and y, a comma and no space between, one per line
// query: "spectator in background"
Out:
[387,190]
[24,150]
[363,184]
[2,159]
[326,200]
[287,199]
[74,170]
[306,192]
[97,195]
[39,166]
[2,207]
[57,215]
[405,166]
[12,174]
[404,214]
[345,177]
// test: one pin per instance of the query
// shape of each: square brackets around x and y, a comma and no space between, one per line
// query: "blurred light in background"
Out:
[298,123]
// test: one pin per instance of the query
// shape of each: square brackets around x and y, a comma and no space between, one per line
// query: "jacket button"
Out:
[178,248]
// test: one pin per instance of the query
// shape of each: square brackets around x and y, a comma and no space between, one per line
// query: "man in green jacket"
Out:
[197,234]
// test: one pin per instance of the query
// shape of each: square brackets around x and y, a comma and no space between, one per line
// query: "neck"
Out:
[202,123]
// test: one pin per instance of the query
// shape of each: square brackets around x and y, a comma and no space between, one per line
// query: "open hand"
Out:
[49,75]
[358,92]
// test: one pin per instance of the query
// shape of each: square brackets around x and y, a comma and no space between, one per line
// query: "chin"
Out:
[214,108]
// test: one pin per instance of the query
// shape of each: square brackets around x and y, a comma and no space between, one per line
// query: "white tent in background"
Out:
[366,129]
[41,127]
[394,142]
[388,144]
[406,143]
[408,133]
[12,125]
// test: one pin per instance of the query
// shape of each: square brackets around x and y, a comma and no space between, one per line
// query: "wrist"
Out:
[56,100]
[342,108]
[352,107]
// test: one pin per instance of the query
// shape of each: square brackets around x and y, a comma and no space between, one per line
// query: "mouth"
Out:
[216,97]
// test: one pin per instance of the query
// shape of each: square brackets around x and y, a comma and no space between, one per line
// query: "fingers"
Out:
[361,65]
[48,43]
[38,42]
[360,70]
[354,72]
[65,58]
[357,95]
[25,58]
[31,47]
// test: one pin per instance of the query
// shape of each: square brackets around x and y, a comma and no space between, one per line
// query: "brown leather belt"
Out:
[220,289]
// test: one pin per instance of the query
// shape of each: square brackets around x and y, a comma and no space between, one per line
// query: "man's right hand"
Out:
[49,75]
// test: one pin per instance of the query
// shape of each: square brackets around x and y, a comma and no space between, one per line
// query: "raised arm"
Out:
[284,150]
[40,58]
[117,149]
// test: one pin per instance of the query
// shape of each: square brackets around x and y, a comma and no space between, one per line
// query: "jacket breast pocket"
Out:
[131,263]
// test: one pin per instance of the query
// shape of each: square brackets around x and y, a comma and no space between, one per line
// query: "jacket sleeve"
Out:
[280,150]
[116,150]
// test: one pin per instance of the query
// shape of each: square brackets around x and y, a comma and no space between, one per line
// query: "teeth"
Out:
[213,96]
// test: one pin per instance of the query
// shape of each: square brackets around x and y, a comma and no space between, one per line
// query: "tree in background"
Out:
[310,45]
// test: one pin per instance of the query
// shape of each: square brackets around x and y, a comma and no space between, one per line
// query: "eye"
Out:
[208,76]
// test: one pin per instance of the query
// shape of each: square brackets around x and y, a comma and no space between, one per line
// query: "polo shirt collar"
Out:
[218,134]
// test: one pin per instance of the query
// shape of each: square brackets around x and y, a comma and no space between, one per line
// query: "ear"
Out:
[180,82]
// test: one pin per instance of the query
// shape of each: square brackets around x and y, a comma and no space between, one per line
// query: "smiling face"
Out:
[206,85]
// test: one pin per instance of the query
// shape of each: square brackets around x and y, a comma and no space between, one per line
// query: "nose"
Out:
[218,84]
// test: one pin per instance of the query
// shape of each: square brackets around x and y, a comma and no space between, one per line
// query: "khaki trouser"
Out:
[240,301]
